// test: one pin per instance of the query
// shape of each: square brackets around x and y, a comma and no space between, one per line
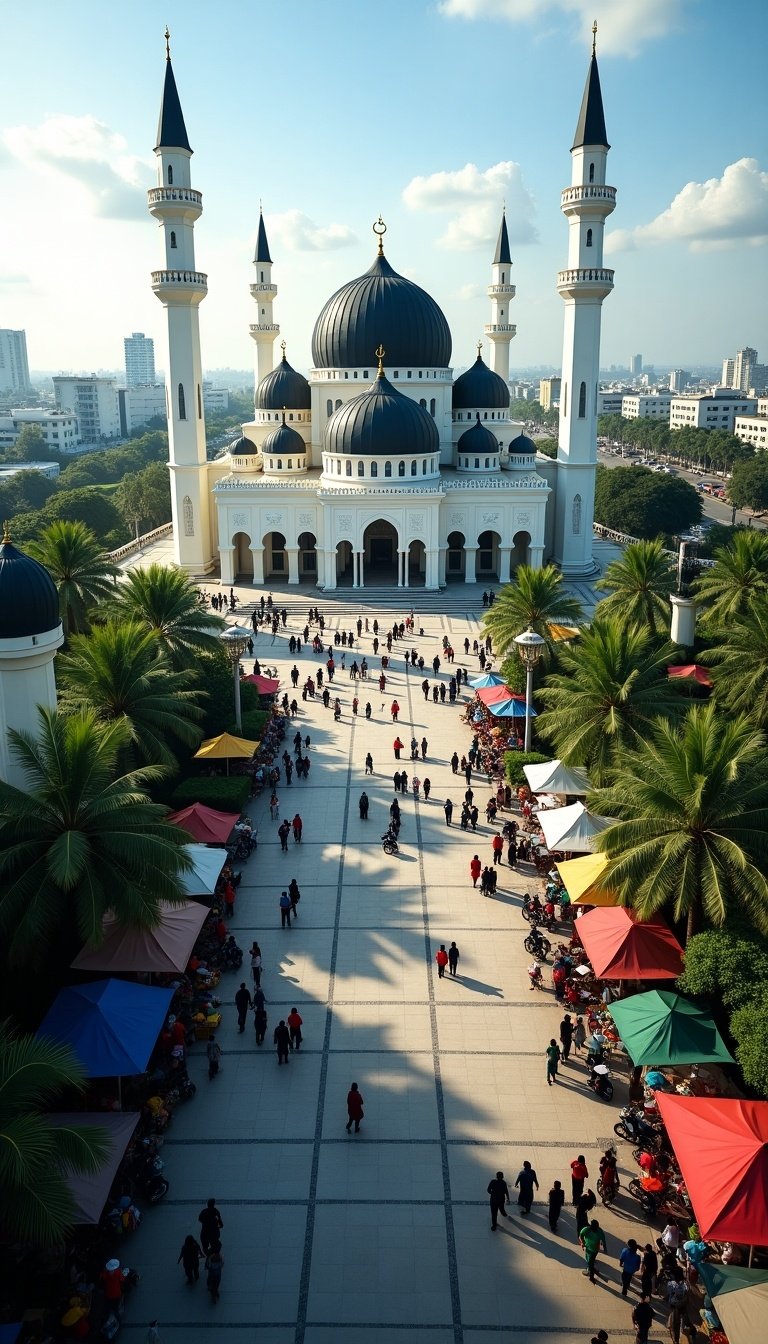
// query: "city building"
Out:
[215,398]
[380,468]
[729,372]
[716,409]
[754,428]
[609,400]
[646,406]
[59,428]
[93,400]
[139,360]
[745,373]
[636,365]
[14,365]
[678,380]
[138,405]
[49,469]
[549,393]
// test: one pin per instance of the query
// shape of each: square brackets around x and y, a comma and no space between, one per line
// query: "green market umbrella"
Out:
[661,1027]
[740,1299]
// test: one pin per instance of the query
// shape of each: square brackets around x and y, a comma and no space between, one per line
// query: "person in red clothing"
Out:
[497,845]
[397,747]
[579,1175]
[112,1278]
[295,1023]
[229,899]
[395,710]
[298,827]
[475,869]
[441,957]
[354,1108]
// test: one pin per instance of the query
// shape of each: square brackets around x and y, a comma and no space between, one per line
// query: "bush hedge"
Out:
[514,762]
[226,794]
[253,725]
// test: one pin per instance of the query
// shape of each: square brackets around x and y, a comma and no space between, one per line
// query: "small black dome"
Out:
[480,386]
[381,422]
[522,444]
[381,308]
[478,439]
[242,447]
[29,602]
[283,387]
[284,440]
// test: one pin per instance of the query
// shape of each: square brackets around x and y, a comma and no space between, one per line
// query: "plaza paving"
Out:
[331,1239]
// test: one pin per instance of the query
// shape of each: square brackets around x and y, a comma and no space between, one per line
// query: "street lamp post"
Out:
[530,646]
[235,641]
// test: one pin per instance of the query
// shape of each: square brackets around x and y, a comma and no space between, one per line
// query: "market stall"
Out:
[573,830]
[205,824]
[554,777]
[622,947]
[661,1027]
[165,948]
[581,879]
[111,1025]
[90,1190]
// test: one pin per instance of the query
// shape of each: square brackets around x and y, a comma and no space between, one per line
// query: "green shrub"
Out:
[226,794]
[253,725]
[514,762]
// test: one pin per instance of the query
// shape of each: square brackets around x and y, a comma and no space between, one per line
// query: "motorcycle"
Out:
[389,843]
[608,1190]
[651,1192]
[532,910]
[150,1181]
[537,944]
[633,1127]
[599,1080]
[535,976]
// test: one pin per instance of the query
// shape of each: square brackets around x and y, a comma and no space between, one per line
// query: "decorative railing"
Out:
[585,275]
[257,327]
[140,542]
[196,278]
[499,328]
[173,195]
[502,290]
[263,289]
[510,482]
[624,539]
[575,195]
[346,375]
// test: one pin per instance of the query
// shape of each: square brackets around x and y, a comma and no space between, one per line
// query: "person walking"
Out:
[424,748]
[455,763]
[295,1023]
[284,830]
[427,787]
[354,1108]
[676,1299]
[592,1238]
[190,1256]
[243,1002]
[282,1039]
[441,957]
[211,1224]
[394,710]
[475,869]
[649,1271]
[566,1036]
[556,1200]
[498,1191]
[397,747]
[629,1262]
[448,810]
[285,910]
[294,895]
[579,1174]
[579,1035]
[526,1180]
[213,1051]
[214,1265]
[298,827]
[583,1209]
[453,958]
[256,966]
[553,1059]
[642,1319]
[497,845]
[368,764]
[363,805]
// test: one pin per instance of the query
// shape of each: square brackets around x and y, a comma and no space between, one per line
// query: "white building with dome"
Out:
[380,469]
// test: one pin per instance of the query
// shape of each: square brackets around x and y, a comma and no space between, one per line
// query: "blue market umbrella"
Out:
[486,679]
[510,709]
[111,1025]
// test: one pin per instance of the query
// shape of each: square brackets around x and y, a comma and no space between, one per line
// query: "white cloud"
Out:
[624,26]
[298,233]
[90,155]
[715,214]
[475,197]
[468,292]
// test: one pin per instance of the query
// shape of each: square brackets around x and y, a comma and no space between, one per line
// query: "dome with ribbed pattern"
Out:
[29,602]
[283,388]
[284,441]
[381,422]
[242,447]
[522,444]
[381,308]
[480,387]
[478,439]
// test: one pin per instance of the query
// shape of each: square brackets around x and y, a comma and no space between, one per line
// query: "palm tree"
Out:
[606,692]
[164,600]
[35,1155]
[639,584]
[116,672]
[692,829]
[535,600]
[83,572]
[738,576]
[741,664]
[80,840]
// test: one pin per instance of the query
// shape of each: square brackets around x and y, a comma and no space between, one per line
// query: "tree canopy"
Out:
[535,599]
[639,584]
[644,504]
[748,487]
[83,574]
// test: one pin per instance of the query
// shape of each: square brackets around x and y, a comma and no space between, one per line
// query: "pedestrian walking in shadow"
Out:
[592,1238]
[556,1201]
[441,957]
[354,1108]
[284,830]
[298,827]
[566,1036]
[498,1191]
[553,1059]
[642,1319]
[475,869]
[260,1023]
[455,763]
[285,910]
[256,964]
[369,764]
[243,1002]
[295,1023]
[583,1209]
[282,1040]
[453,958]
[214,1265]
[190,1256]
[424,748]
[427,787]
[629,1263]
[579,1035]
[404,782]
[294,895]
[213,1051]
[396,781]
[211,1224]
[526,1180]
[363,805]
[448,810]
[579,1175]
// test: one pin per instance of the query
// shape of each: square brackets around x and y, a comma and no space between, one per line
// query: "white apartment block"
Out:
[754,428]
[94,401]
[647,406]
[609,402]
[549,392]
[49,469]
[137,405]
[14,365]
[59,428]
[139,360]
[215,398]
[713,410]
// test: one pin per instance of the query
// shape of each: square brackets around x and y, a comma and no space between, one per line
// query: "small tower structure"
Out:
[586,204]
[501,292]
[30,636]
[181,288]
[263,292]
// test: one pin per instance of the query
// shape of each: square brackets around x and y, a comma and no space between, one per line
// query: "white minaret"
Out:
[264,332]
[586,205]
[181,289]
[501,293]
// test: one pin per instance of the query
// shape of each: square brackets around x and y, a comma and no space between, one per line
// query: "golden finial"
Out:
[479,348]
[167,44]
[282,347]
[380,353]
[594,37]
[283,415]
[380,228]
[6,534]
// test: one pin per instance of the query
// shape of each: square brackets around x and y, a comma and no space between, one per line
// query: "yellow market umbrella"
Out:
[580,876]
[562,632]
[226,747]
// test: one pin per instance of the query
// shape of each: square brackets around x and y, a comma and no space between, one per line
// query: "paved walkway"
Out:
[331,1239]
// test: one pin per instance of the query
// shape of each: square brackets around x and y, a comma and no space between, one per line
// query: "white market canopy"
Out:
[554,777]
[572,829]
[206,869]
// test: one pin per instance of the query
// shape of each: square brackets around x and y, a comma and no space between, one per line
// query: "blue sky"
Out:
[428,111]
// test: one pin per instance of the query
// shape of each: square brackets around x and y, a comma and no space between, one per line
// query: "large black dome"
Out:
[478,439]
[381,422]
[29,602]
[381,308]
[285,441]
[480,386]
[283,388]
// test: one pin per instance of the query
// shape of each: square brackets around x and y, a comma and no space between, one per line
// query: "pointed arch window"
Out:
[338,403]
[170,176]
[589,237]
[387,468]
[173,238]
[199,403]
[361,468]
[413,468]
[591,172]
[583,401]
[349,468]
[329,407]
[182,403]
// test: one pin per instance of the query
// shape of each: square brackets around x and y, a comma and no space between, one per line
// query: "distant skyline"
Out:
[432,112]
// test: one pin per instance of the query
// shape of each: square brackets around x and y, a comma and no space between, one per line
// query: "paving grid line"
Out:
[418,1329]
[450,1230]
[427,1143]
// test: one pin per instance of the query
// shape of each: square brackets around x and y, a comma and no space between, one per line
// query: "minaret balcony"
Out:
[185,284]
[258,329]
[502,331]
[592,199]
[585,282]
[263,291]
[501,291]
[175,202]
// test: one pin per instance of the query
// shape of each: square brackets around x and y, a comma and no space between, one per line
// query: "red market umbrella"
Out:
[264,685]
[492,695]
[205,824]
[691,671]
[620,947]
[722,1148]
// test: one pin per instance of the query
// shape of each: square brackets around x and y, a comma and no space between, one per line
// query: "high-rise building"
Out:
[139,360]
[745,361]
[678,380]
[729,369]
[636,365]
[14,366]
[93,400]
[549,392]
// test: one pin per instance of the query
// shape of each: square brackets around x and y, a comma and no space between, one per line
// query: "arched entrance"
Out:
[521,549]
[380,544]
[487,566]
[243,558]
[344,562]
[417,564]
[307,557]
[275,558]
[454,559]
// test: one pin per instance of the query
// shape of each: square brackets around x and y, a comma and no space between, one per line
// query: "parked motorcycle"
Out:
[537,944]
[633,1127]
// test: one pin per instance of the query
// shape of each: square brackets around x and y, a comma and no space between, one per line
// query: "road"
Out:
[716,509]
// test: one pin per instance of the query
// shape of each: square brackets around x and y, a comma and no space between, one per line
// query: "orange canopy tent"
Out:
[620,947]
[691,671]
[722,1148]
[205,824]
